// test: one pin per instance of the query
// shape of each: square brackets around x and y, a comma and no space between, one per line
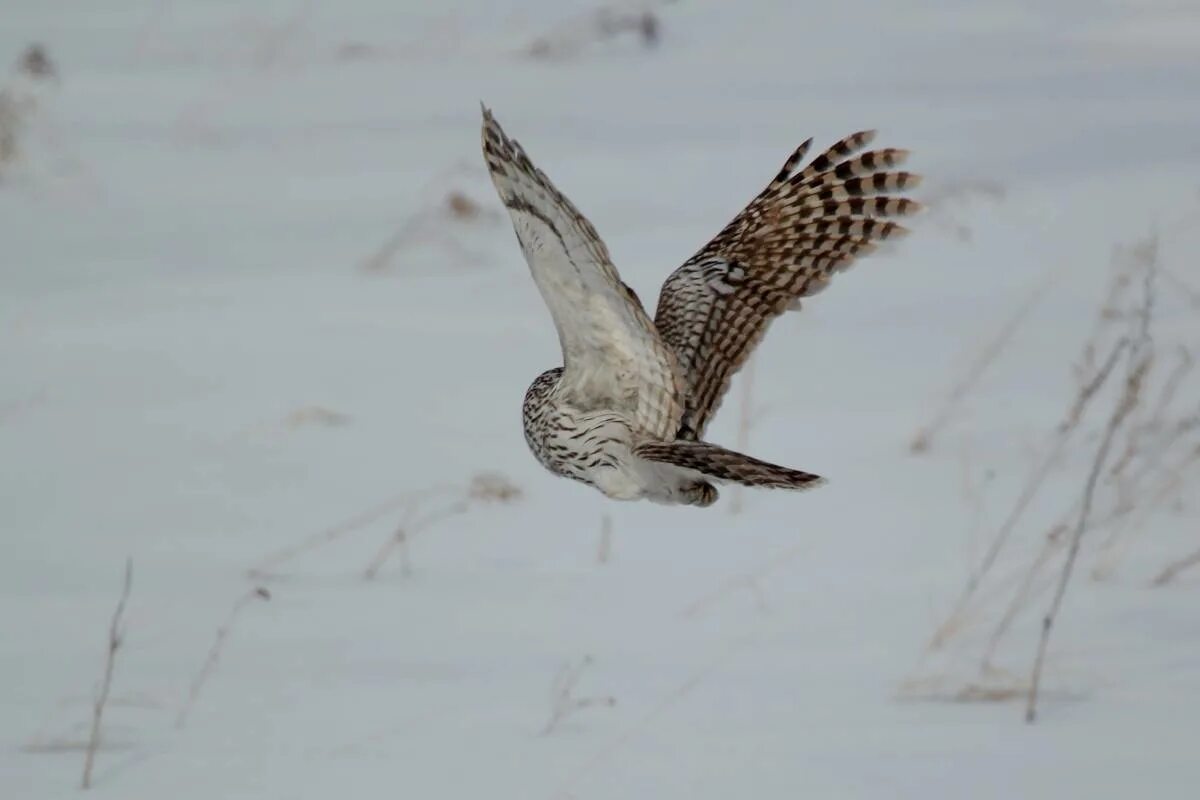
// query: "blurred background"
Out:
[269,524]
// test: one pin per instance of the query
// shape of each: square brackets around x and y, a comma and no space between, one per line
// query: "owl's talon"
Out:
[701,494]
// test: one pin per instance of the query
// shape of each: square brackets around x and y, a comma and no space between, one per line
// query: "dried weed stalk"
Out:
[1168,483]
[1138,444]
[1125,405]
[485,487]
[409,526]
[442,220]
[1172,570]
[564,701]
[255,595]
[1026,592]
[984,358]
[1092,377]
[267,566]
[420,510]
[13,112]
[116,637]
[604,547]
[1144,477]
[1187,289]
[750,581]
[1139,461]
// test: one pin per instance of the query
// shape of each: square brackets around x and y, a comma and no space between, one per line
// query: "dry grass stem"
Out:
[1185,288]
[1172,570]
[973,498]
[484,487]
[1136,443]
[984,359]
[416,229]
[1172,481]
[563,700]
[115,639]
[1026,592]
[1141,358]
[257,594]
[492,487]
[1139,460]
[1060,591]
[1033,485]
[440,220]
[995,687]
[267,566]
[659,709]
[400,538]
[14,110]
[604,548]
[750,581]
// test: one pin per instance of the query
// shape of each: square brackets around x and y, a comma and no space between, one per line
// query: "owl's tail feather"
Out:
[720,464]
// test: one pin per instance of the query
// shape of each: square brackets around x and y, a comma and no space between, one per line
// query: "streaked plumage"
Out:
[628,408]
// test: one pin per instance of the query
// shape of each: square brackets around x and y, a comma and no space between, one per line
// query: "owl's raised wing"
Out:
[786,244]
[612,354]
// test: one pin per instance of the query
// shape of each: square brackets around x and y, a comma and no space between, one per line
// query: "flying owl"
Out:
[626,412]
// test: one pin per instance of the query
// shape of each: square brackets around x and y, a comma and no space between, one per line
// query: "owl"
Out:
[627,410]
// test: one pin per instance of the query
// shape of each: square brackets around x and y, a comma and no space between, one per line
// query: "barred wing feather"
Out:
[786,244]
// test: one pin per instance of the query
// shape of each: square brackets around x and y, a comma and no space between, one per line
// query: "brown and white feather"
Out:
[613,355]
[786,244]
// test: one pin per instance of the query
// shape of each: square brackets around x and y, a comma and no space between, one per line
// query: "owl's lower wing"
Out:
[786,244]
[612,352]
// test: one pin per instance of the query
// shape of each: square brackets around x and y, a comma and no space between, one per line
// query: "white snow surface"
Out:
[181,243]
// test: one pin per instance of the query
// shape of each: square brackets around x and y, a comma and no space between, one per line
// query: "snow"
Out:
[198,373]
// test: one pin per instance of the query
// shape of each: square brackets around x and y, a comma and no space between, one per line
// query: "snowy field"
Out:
[255,285]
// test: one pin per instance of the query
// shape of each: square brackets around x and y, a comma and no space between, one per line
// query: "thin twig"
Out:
[1023,595]
[214,652]
[1029,492]
[1155,419]
[1140,359]
[1172,570]
[658,709]
[116,638]
[404,533]
[604,548]
[564,702]
[361,520]
[1192,293]
[972,490]
[750,580]
[1124,406]
[1037,478]
[1132,520]
[986,356]
[433,220]
[1089,390]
